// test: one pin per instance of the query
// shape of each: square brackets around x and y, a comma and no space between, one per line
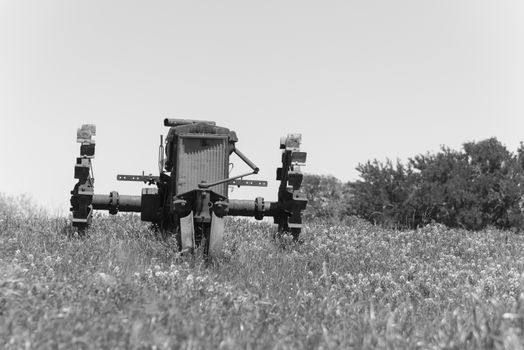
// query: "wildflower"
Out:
[105,279]
[511,316]
[64,312]
[335,277]
[324,269]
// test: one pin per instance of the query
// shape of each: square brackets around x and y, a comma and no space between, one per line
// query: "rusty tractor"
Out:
[190,195]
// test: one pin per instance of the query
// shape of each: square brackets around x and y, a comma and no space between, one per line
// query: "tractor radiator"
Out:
[202,158]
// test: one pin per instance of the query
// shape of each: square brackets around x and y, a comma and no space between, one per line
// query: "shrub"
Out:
[478,186]
[326,196]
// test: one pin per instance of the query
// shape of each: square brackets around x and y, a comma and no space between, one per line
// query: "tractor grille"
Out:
[202,158]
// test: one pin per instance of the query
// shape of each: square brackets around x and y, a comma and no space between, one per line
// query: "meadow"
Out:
[351,285]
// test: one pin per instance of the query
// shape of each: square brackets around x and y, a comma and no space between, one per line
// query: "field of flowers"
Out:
[345,286]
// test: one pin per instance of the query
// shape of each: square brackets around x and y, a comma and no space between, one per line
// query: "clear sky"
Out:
[359,79]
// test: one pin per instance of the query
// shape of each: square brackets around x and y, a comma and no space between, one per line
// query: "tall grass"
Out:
[347,286]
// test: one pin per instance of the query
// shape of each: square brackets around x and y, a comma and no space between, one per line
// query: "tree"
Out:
[383,187]
[478,186]
[326,197]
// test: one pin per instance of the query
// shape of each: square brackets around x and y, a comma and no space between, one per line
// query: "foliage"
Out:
[479,186]
[358,286]
[326,196]
[375,198]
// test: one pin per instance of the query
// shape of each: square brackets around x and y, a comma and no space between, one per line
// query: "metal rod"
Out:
[246,160]
[126,203]
[243,207]
[178,122]
[161,159]
[207,185]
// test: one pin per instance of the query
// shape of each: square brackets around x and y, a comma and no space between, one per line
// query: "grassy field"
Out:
[345,286]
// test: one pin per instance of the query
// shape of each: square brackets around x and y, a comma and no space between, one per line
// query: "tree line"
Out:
[482,184]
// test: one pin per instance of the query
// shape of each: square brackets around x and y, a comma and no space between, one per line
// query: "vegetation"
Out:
[479,186]
[327,198]
[354,286]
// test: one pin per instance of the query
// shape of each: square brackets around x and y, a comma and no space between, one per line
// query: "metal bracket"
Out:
[148,179]
[257,183]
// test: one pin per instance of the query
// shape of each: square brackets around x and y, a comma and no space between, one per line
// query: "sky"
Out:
[360,80]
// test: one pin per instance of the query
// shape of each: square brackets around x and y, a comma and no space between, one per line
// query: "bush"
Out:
[327,197]
[472,188]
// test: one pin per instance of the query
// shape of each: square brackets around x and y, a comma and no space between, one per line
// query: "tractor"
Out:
[189,197]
